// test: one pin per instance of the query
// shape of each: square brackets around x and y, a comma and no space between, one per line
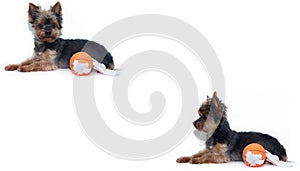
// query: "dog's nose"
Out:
[48,33]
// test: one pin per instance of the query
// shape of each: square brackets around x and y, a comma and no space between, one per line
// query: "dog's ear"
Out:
[33,12]
[57,11]
[215,95]
[218,106]
[215,100]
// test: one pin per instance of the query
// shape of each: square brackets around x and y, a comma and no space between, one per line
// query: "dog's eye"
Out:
[53,26]
[41,26]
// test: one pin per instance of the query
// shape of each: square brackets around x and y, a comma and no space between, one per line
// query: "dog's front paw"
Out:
[11,67]
[183,159]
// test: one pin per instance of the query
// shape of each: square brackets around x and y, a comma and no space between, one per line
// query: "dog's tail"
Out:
[108,61]
[283,156]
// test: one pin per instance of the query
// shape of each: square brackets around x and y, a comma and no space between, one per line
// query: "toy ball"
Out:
[81,63]
[254,155]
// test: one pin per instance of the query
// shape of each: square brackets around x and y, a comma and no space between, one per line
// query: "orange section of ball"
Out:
[255,149]
[82,58]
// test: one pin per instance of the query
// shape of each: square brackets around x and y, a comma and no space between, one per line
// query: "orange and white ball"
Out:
[254,155]
[81,63]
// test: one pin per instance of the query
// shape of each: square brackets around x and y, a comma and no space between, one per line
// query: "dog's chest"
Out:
[47,55]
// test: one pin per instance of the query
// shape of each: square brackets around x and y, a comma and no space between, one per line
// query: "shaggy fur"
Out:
[52,52]
[225,145]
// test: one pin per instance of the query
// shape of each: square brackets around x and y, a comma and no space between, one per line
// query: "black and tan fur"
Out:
[52,52]
[223,144]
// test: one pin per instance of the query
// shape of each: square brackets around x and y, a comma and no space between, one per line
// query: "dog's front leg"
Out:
[38,66]
[13,67]
[210,157]
[187,159]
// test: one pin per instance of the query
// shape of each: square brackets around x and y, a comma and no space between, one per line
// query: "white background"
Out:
[257,43]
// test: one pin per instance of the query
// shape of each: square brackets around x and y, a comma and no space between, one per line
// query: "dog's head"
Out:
[46,24]
[210,114]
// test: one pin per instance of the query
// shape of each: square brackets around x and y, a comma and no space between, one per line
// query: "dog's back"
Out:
[242,139]
[67,47]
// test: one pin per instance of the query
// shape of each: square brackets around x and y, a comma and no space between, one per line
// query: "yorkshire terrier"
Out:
[223,144]
[52,52]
